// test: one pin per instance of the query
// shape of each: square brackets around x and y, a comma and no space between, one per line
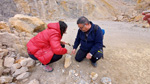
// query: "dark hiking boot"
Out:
[94,64]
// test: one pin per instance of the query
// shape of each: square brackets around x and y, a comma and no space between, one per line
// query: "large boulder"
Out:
[24,23]
[4,25]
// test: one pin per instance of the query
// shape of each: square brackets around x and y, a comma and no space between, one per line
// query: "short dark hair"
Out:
[83,20]
[63,27]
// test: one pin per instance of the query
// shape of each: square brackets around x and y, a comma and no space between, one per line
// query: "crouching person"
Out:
[46,46]
[90,38]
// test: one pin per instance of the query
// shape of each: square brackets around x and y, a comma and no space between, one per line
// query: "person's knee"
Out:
[77,59]
[60,56]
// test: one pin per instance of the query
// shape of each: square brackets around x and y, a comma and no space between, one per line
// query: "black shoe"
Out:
[94,64]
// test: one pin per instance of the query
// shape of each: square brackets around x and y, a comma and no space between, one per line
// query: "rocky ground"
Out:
[127,49]
[126,58]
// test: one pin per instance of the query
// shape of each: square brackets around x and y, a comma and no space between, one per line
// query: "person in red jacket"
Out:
[46,46]
[146,16]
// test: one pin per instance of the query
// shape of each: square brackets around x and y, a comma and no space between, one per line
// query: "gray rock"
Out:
[23,76]
[15,67]
[27,62]
[1,63]
[20,71]
[1,70]
[7,71]
[6,79]
[9,61]
[106,80]
[93,76]
[5,52]
[1,55]
[13,39]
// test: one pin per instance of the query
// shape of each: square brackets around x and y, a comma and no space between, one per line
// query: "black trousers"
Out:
[82,54]
[54,58]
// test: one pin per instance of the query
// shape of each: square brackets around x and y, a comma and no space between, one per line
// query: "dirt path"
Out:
[126,58]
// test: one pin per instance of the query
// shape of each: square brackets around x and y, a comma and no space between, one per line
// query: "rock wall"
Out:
[126,10]
[14,60]
[65,9]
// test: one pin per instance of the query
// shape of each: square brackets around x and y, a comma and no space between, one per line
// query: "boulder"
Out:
[5,79]
[1,54]
[1,63]
[5,52]
[9,61]
[23,76]
[14,67]
[27,62]
[24,23]
[20,71]
[1,70]
[8,39]
[21,49]
[6,71]
[4,25]
[1,67]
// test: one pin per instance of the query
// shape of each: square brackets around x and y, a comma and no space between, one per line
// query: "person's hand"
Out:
[73,51]
[88,56]
[146,17]
[62,42]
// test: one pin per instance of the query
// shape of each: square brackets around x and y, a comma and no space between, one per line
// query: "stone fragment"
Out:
[7,71]
[67,60]
[34,81]
[9,61]
[27,62]
[20,71]
[15,67]
[106,80]
[1,70]
[23,76]
[1,63]
[5,79]
[93,76]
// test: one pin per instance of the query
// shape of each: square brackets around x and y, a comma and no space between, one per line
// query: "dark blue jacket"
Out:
[94,40]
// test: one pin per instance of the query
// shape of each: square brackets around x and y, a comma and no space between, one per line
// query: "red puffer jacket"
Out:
[46,43]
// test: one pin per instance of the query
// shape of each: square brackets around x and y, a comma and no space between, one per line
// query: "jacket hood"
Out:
[54,26]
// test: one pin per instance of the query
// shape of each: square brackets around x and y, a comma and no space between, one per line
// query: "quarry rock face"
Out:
[70,9]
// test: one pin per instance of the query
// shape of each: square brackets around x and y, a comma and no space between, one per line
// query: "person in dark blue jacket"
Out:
[90,40]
